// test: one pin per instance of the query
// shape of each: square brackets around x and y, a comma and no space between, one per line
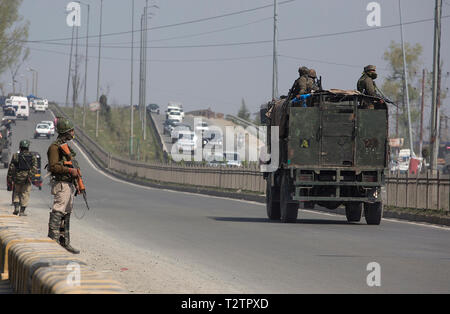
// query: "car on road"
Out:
[39,106]
[52,126]
[202,126]
[187,141]
[169,125]
[42,130]
[9,113]
[232,159]
[175,115]
[153,108]
[177,127]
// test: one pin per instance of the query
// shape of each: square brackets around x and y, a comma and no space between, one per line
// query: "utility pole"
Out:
[131,92]
[86,68]
[405,79]
[70,68]
[75,81]
[99,59]
[144,111]
[275,56]
[421,113]
[434,138]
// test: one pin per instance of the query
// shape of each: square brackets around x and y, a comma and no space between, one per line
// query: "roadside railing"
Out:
[426,191]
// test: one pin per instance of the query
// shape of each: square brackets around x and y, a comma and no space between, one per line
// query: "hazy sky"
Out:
[219,77]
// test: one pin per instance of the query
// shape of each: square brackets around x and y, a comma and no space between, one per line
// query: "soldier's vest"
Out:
[23,163]
[63,158]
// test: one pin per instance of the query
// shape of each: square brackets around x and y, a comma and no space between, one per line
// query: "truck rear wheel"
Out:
[353,211]
[288,207]
[272,200]
[373,213]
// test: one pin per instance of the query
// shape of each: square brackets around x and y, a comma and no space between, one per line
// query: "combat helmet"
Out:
[24,144]
[312,73]
[64,125]
[303,70]
[370,68]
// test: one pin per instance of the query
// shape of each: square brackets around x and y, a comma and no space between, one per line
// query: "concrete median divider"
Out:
[38,265]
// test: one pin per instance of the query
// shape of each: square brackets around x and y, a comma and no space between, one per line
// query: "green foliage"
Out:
[12,34]
[243,111]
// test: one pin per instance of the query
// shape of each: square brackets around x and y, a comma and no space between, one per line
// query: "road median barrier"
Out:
[33,264]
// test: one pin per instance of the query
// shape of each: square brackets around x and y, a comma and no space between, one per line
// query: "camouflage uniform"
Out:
[301,84]
[62,186]
[366,84]
[22,169]
[311,85]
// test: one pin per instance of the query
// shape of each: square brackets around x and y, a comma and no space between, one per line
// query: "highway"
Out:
[233,240]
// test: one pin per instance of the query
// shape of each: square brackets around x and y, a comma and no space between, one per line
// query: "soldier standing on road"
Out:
[22,169]
[62,184]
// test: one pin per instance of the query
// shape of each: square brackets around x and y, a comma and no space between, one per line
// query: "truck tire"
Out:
[288,207]
[373,213]
[272,199]
[353,211]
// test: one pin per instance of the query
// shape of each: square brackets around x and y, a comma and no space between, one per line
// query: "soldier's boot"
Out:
[22,211]
[54,223]
[16,209]
[66,244]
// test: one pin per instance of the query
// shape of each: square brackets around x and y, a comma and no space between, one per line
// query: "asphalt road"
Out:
[234,240]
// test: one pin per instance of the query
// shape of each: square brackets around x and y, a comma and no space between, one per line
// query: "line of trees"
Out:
[13,34]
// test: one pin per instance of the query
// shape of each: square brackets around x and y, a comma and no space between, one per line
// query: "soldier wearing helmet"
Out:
[61,158]
[22,168]
[300,85]
[366,84]
[312,85]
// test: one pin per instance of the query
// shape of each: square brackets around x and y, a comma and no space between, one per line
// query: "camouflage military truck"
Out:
[4,146]
[333,152]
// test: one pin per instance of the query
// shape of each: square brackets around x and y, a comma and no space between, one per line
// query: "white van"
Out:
[175,106]
[23,108]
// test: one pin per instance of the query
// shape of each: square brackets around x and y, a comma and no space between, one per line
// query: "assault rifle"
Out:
[72,163]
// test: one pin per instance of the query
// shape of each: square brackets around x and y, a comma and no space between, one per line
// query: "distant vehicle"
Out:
[202,126]
[175,134]
[169,125]
[153,108]
[5,144]
[9,114]
[52,126]
[39,106]
[174,106]
[42,129]
[23,109]
[45,103]
[232,159]
[187,141]
[403,160]
[175,115]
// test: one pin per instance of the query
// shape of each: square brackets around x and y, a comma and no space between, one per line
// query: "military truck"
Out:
[333,149]
[4,146]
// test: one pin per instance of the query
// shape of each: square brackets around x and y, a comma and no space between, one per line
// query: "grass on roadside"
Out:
[114,135]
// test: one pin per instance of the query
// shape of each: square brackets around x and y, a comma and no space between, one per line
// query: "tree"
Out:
[243,112]
[13,33]
[393,85]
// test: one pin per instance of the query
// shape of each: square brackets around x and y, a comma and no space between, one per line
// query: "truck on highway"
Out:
[22,106]
[333,151]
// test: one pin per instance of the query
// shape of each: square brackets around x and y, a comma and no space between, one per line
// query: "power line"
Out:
[264,41]
[170,25]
